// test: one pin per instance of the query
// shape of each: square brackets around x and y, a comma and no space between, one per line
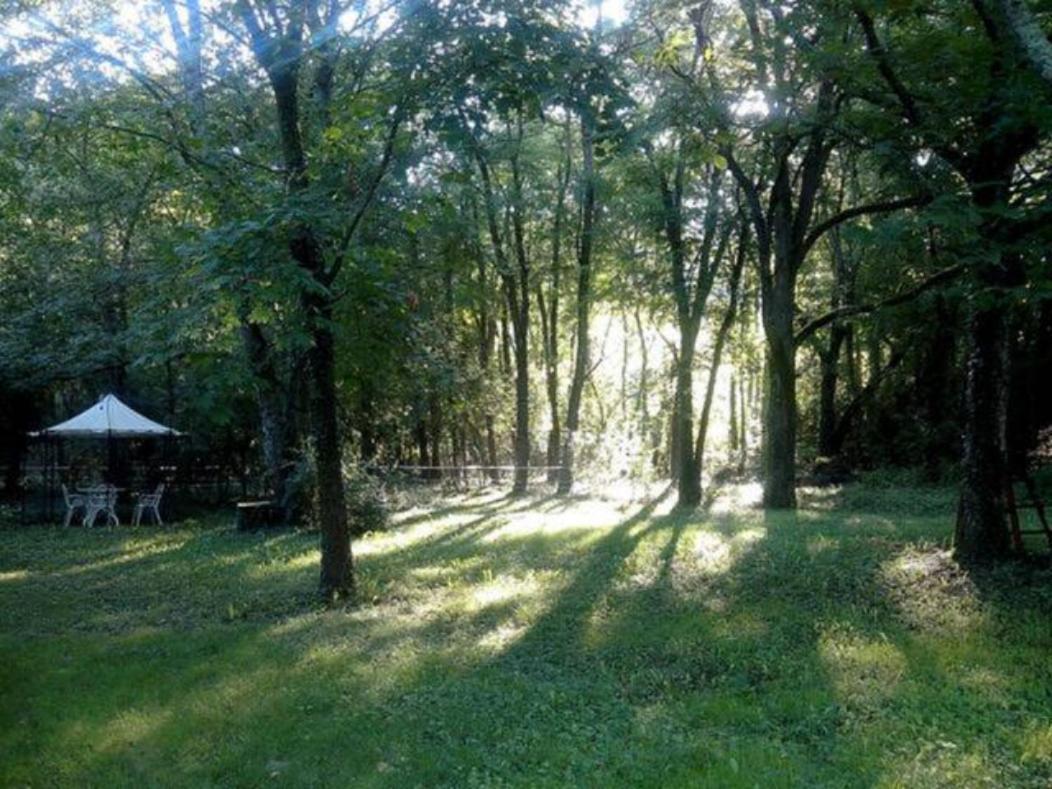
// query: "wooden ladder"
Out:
[1033,502]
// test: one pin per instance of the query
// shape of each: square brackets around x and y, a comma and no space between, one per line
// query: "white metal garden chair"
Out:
[101,500]
[149,502]
[74,502]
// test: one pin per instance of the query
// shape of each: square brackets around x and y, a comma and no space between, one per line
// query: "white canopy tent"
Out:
[108,418]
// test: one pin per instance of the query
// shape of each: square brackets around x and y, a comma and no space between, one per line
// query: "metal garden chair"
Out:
[101,500]
[149,502]
[74,502]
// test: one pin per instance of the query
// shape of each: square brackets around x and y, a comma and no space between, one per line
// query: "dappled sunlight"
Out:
[930,591]
[307,559]
[130,727]
[1037,744]
[13,575]
[865,670]
[986,682]
[716,553]
[713,551]
[130,551]
[825,497]
[502,637]
[503,589]
[737,498]
[943,762]
[588,515]
[534,632]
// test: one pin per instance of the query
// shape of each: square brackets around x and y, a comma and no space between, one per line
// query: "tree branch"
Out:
[367,199]
[938,278]
[840,217]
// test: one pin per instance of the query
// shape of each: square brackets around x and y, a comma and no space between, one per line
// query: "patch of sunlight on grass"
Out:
[128,728]
[713,551]
[733,499]
[308,559]
[586,515]
[821,544]
[502,589]
[930,591]
[501,637]
[418,523]
[943,763]
[821,498]
[133,550]
[529,642]
[864,670]
[991,685]
[716,553]
[1037,744]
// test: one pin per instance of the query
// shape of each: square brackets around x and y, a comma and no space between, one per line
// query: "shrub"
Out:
[367,504]
[8,517]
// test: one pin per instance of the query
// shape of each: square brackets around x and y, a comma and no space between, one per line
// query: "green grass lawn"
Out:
[533,643]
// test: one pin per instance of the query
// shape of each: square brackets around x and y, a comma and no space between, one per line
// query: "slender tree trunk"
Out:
[550,322]
[422,453]
[367,422]
[717,357]
[743,427]
[829,366]
[275,430]
[688,473]
[584,299]
[732,428]
[549,335]
[642,395]
[522,407]
[435,426]
[491,448]
[937,397]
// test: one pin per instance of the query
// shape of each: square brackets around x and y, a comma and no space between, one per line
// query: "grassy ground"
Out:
[530,643]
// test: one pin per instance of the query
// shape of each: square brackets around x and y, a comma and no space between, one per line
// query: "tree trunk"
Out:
[981,534]
[275,431]
[732,428]
[549,335]
[491,448]
[584,300]
[779,457]
[422,454]
[337,576]
[717,356]
[522,408]
[550,317]
[743,427]
[688,473]
[829,366]
[938,399]
[435,428]
[367,422]
[337,579]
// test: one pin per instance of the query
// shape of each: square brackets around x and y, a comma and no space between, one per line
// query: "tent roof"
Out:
[109,417]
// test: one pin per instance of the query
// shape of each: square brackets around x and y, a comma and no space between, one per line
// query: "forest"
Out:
[451,288]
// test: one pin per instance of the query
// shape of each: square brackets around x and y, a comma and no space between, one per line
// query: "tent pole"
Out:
[49,475]
[22,482]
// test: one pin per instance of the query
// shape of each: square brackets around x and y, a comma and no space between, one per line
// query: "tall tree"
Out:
[984,137]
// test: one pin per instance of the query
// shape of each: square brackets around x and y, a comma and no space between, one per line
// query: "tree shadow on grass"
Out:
[646,655]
